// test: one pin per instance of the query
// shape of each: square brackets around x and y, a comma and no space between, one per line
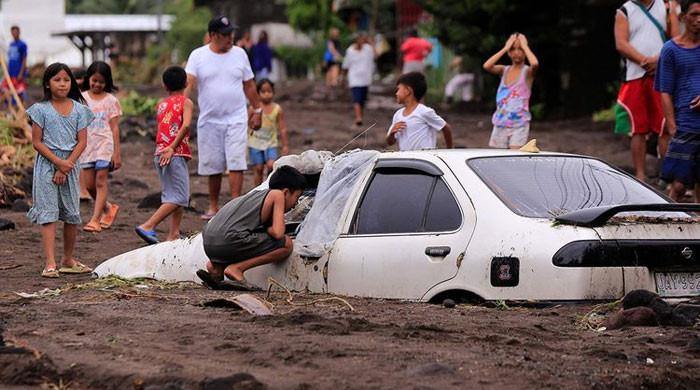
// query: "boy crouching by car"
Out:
[249,231]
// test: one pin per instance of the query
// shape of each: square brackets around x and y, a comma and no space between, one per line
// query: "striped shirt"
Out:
[678,74]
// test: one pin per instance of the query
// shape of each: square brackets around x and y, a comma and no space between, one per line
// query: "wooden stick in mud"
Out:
[21,115]
[11,84]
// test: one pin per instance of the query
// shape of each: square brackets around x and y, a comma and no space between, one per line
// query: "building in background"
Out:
[37,20]
[77,40]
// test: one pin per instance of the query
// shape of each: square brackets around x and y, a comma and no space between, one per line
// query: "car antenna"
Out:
[356,137]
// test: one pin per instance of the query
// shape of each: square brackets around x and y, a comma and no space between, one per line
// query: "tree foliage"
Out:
[309,15]
[111,6]
[573,40]
[188,29]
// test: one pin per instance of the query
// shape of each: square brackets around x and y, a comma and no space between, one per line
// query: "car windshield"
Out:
[548,186]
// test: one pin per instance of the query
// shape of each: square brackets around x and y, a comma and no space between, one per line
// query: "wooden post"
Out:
[11,84]
[20,117]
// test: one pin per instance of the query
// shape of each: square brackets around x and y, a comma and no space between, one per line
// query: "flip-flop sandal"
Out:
[108,219]
[208,279]
[92,227]
[77,268]
[236,285]
[149,236]
[49,273]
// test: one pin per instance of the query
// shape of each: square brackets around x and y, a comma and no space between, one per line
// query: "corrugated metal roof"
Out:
[114,23]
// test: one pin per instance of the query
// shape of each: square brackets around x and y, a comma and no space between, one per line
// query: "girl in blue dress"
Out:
[59,136]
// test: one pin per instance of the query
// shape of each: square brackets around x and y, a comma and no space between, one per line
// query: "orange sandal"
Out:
[92,227]
[108,219]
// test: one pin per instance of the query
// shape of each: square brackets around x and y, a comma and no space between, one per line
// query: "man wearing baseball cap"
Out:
[223,78]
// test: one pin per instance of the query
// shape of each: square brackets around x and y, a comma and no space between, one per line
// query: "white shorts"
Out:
[221,146]
[507,137]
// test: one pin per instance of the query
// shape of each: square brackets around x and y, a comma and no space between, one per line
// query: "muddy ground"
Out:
[155,336]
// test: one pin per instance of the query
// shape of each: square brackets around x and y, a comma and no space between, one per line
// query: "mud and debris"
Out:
[114,334]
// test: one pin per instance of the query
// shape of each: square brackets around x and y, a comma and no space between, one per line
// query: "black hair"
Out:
[79,73]
[287,177]
[685,5]
[51,71]
[415,81]
[15,27]
[265,81]
[102,68]
[174,78]
[413,33]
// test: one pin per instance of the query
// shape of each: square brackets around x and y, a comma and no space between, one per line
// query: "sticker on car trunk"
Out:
[677,284]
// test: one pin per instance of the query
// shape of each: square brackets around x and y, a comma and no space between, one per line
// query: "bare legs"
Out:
[235,179]
[165,210]
[677,190]
[84,193]
[235,271]
[96,183]
[235,182]
[639,151]
[48,238]
[259,171]
[357,107]
[332,75]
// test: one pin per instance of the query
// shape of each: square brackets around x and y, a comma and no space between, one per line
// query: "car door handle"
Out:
[437,251]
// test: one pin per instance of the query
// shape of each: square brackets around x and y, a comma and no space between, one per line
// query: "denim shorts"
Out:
[97,165]
[259,157]
[359,95]
[174,181]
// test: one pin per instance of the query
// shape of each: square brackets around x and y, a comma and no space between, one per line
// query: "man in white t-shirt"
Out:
[223,77]
[359,63]
[415,126]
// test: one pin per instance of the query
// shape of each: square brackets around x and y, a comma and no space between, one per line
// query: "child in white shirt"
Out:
[415,126]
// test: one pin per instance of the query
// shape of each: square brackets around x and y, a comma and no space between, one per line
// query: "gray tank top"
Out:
[239,217]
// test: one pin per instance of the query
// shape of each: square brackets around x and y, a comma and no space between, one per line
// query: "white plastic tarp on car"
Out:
[339,178]
[178,260]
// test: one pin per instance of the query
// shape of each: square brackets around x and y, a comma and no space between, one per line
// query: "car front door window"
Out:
[406,201]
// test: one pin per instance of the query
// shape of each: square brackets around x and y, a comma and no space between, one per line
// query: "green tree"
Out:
[111,6]
[573,40]
[310,15]
[188,29]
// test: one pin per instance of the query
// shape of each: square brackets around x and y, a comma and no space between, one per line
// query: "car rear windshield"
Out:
[548,186]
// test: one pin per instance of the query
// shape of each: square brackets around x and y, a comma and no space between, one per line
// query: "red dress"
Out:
[169,116]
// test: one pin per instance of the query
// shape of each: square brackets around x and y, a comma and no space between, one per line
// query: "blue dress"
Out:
[60,134]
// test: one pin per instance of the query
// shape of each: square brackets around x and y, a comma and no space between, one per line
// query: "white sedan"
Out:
[471,223]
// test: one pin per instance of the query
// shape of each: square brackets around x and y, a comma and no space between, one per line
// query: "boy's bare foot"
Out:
[233,273]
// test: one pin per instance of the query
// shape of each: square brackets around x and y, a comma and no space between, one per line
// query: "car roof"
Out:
[469,153]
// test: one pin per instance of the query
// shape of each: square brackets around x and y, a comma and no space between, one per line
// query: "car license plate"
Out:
[677,284]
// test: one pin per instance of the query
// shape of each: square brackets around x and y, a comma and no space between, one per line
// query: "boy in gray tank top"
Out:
[249,231]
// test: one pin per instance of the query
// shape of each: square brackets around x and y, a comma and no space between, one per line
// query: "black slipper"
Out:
[236,285]
[208,280]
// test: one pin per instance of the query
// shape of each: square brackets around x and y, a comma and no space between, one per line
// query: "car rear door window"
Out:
[443,211]
[406,201]
[546,186]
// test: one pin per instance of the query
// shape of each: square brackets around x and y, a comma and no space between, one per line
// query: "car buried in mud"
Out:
[472,223]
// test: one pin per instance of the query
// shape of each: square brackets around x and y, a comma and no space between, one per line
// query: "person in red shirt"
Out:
[414,51]
[174,115]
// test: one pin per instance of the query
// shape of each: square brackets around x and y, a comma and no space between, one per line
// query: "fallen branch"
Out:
[6,267]
[290,297]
